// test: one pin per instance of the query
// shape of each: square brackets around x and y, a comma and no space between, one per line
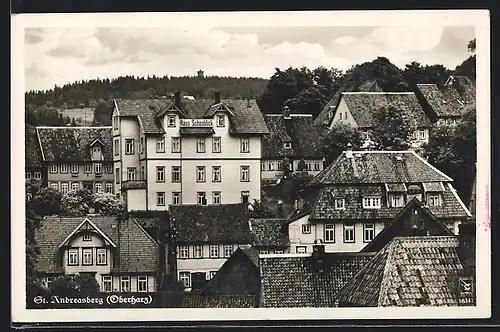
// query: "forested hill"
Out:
[88,93]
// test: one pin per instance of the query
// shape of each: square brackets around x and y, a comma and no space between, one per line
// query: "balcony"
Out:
[134,184]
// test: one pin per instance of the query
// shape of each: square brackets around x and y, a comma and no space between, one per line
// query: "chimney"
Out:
[318,256]
[467,247]
[217,97]
[249,104]
[177,98]
[286,112]
[348,152]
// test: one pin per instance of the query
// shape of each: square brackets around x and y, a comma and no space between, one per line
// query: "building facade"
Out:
[34,166]
[171,152]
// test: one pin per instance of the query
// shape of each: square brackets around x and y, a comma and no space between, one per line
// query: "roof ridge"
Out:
[387,267]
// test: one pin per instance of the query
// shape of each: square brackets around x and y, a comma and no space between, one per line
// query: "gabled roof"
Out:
[72,144]
[291,280]
[363,106]
[87,225]
[370,86]
[379,167]
[221,107]
[269,232]
[138,251]
[144,110]
[299,130]
[224,223]
[32,150]
[408,272]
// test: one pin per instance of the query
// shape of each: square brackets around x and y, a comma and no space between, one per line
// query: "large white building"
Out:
[186,151]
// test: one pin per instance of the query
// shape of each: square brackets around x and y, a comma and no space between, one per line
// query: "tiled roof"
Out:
[138,251]
[409,271]
[251,253]
[324,208]
[269,232]
[144,110]
[225,223]
[299,130]
[363,106]
[379,167]
[291,280]
[218,301]
[72,144]
[32,150]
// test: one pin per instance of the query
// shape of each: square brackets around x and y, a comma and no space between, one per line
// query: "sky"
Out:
[57,55]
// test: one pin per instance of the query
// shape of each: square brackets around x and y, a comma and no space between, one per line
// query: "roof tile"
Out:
[269,232]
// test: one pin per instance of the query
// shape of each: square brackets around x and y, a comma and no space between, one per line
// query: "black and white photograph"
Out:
[316,162]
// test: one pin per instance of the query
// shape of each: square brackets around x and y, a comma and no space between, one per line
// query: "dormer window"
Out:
[371,202]
[287,145]
[397,201]
[339,203]
[221,120]
[171,121]
[434,199]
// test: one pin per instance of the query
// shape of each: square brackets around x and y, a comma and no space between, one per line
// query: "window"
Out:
[371,202]
[176,174]
[160,145]
[141,145]
[228,250]
[160,199]
[64,168]
[117,146]
[86,256]
[306,229]
[245,173]
[117,175]
[129,146]
[108,169]
[317,166]
[198,251]
[220,120]
[176,198]
[339,203]
[287,145]
[278,252]
[216,174]
[245,144]
[107,283]
[345,115]
[397,201]
[160,173]
[131,173]
[216,145]
[421,134]
[143,173]
[264,252]
[54,185]
[38,175]
[368,232]
[330,233]
[301,249]
[308,165]
[171,121]
[75,186]
[73,257]
[200,174]
[184,278]
[98,187]
[349,233]
[102,256]
[98,168]
[434,200]
[182,252]
[125,284]
[176,144]
[74,168]
[64,187]
[115,122]
[142,284]
[279,165]
[263,166]
[87,237]
[214,251]
[270,166]
[200,145]
[53,168]
[212,274]
[245,196]
[216,197]
[202,200]
[109,187]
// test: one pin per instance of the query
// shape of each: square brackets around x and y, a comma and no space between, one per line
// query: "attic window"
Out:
[288,145]
[87,237]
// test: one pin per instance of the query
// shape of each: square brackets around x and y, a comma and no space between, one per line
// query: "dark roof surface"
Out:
[138,251]
[409,271]
[290,281]
[218,301]
[225,223]
[299,130]
[370,86]
[269,232]
[32,150]
[72,144]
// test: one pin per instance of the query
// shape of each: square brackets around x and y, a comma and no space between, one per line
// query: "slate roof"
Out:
[299,130]
[32,150]
[224,223]
[290,281]
[72,144]
[138,251]
[408,272]
[269,232]
[219,301]
[363,106]
[379,167]
[247,117]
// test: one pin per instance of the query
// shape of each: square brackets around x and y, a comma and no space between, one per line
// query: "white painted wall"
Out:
[136,199]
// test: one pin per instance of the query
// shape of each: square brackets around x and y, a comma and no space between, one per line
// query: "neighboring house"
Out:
[77,157]
[34,166]
[415,271]
[357,195]
[295,137]
[120,254]
[357,109]
[307,280]
[170,152]
[205,237]
[446,104]
[270,235]
[472,200]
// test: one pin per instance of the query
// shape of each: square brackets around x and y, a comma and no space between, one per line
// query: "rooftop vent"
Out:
[399,158]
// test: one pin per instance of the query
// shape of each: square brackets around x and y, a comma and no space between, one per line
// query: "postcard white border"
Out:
[480,19]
